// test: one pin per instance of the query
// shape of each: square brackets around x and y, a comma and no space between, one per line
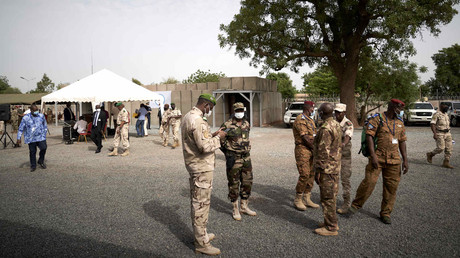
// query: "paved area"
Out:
[88,204]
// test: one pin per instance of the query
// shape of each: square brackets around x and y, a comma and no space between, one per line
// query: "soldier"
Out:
[304,130]
[121,133]
[174,121]
[391,136]
[328,153]
[165,125]
[345,170]
[199,146]
[440,125]
[236,148]
[14,119]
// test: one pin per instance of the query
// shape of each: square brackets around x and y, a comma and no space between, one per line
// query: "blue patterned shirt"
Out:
[34,128]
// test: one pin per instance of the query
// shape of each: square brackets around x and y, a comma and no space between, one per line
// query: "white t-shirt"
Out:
[81,126]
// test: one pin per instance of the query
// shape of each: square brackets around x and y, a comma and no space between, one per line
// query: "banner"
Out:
[165,98]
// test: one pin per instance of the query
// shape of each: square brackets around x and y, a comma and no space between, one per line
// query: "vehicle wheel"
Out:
[454,121]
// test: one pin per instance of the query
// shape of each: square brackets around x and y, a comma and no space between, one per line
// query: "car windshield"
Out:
[296,106]
[423,106]
[456,105]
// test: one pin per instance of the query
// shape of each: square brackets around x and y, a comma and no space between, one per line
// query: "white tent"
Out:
[103,86]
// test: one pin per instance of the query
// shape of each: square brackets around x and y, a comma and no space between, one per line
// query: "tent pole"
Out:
[81,109]
[55,113]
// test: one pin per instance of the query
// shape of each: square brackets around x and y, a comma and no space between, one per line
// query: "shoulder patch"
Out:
[375,115]
[348,123]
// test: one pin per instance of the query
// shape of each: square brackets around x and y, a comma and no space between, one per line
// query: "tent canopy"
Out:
[21,98]
[103,86]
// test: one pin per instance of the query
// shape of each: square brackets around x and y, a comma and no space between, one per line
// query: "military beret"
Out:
[172,103]
[118,104]
[310,103]
[209,97]
[340,107]
[238,105]
[397,102]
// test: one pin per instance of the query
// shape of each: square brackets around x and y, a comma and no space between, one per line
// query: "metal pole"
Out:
[223,106]
[250,106]
[55,113]
[260,109]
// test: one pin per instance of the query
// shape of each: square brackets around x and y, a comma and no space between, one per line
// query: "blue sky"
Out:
[147,40]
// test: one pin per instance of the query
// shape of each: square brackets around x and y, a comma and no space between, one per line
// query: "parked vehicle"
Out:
[421,112]
[292,111]
[453,112]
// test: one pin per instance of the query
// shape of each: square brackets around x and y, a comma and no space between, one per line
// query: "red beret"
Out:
[397,102]
[310,103]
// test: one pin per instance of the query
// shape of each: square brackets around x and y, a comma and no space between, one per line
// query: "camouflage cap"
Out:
[118,104]
[209,97]
[340,107]
[238,105]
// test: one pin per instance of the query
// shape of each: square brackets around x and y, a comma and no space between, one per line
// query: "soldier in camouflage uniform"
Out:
[199,146]
[236,147]
[121,133]
[165,125]
[14,119]
[174,120]
[304,130]
[345,170]
[391,136]
[328,155]
[440,126]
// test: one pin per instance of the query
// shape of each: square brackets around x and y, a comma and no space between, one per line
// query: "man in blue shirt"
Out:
[140,121]
[34,127]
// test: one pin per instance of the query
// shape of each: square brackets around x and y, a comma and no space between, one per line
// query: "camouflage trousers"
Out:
[165,132]
[123,137]
[200,196]
[391,175]
[304,162]
[345,174]
[329,186]
[443,143]
[239,175]
[175,130]
[15,125]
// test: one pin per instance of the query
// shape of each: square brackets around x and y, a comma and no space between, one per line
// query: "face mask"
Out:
[98,110]
[208,114]
[35,113]
[401,113]
[239,115]
[313,114]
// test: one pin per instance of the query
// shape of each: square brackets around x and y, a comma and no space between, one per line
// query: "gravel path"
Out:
[88,204]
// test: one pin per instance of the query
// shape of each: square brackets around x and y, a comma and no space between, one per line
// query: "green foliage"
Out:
[320,82]
[447,73]
[44,86]
[284,84]
[62,85]
[202,77]
[5,87]
[170,80]
[136,81]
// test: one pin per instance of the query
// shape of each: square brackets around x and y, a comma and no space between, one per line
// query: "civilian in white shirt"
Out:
[81,125]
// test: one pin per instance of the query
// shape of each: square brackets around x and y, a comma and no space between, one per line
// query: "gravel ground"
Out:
[87,204]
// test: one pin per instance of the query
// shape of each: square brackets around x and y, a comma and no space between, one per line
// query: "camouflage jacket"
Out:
[175,112]
[303,125]
[237,139]
[166,115]
[328,147]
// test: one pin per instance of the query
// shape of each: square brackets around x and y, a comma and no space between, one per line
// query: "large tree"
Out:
[291,33]
[447,73]
[202,77]
[5,87]
[284,84]
[46,85]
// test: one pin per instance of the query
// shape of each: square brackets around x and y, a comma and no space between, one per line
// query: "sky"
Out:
[148,40]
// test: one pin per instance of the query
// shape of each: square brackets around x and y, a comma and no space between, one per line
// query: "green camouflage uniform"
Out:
[236,147]
[345,172]
[14,120]
[327,162]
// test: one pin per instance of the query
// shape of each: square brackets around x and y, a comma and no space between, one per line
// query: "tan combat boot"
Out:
[114,152]
[429,157]
[308,202]
[236,211]
[298,203]
[326,232]
[445,164]
[126,153]
[208,250]
[245,208]
[322,225]
[211,236]
[346,204]
[165,143]
[176,144]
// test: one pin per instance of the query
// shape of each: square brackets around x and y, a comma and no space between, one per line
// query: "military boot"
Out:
[322,225]
[208,250]
[176,144]
[344,208]
[298,203]
[245,208]
[236,211]
[326,232]
[126,153]
[308,202]
[429,157]
[114,152]
[165,143]
[445,164]
[211,236]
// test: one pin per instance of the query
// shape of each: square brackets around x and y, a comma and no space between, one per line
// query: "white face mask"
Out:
[98,110]
[208,114]
[239,115]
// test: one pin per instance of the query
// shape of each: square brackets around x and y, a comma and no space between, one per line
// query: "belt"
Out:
[444,131]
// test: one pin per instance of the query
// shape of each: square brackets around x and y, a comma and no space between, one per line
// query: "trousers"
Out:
[304,162]
[239,176]
[122,136]
[443,143]
[33,153]
[96,136]
[200,199]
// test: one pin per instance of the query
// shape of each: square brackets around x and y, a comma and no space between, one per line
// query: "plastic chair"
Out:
[88,132]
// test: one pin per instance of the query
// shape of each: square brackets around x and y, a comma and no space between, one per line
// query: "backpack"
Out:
[364,150]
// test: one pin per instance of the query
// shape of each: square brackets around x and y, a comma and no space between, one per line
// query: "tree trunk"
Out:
[347,95]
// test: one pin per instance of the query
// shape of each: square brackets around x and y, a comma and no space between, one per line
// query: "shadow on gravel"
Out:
[19,240]
[167,216]
[280,204]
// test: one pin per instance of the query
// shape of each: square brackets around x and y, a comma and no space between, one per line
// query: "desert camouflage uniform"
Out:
[199,148]
[443,135]
[236,147]
[328,155]
[345,171]
[165,124]
[123,115]
[390,134]
[14,120]
[304,125]
[175,123]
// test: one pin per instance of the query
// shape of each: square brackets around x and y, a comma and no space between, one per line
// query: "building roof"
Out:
[18,99]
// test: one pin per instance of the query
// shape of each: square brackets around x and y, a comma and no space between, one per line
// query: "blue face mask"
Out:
[401,113]
[313,114]
[35,112]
